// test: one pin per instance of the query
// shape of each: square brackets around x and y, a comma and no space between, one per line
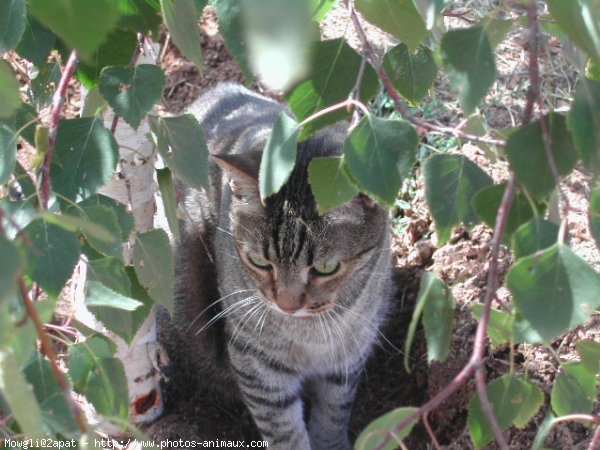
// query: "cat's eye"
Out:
[326,267]
[260,262]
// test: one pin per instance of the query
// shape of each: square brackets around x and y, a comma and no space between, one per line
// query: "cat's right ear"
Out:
[242,173]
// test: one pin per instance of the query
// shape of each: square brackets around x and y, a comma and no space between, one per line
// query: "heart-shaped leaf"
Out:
[451,182]
[327,84]
[379,154]
[525,149]
[132,91]
[411,72]
[397,17]
[469,62]
[51,254]
[376,430]
[82,25]
[13,18]
[85,157]
[514,402]
[574,390]
[181,143]
[558,282]
[329,183]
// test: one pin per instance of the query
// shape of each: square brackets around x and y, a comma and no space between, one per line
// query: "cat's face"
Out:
[302,262]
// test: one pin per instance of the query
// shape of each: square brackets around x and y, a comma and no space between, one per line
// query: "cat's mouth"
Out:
[310,311]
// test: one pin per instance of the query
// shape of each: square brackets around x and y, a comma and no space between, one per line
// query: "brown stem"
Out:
[595,442]
[57,102]
[51,355]
[430,432]
[399,104]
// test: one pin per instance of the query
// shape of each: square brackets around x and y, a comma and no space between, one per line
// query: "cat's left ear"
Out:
[242,173]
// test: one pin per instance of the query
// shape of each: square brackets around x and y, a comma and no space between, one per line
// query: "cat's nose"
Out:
[288,301]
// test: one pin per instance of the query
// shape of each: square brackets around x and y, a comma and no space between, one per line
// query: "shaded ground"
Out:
[462,264]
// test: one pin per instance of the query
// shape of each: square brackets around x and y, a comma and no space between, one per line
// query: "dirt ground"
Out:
[462,264]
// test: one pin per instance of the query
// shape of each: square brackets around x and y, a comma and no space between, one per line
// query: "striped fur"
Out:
[242,342]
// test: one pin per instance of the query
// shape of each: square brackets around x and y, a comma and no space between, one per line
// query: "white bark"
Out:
[135,186]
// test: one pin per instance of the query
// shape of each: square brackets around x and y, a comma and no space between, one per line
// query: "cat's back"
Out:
[235,119]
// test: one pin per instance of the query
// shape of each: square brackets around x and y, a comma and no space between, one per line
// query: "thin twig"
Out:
[432,436]
[399,104]
[57,102]
[574,417]
[51,355]
[595,442]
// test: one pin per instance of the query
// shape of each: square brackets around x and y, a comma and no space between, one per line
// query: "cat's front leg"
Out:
[331,403]
[275,402]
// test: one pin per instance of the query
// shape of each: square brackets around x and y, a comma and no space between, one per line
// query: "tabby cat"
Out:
[274,302]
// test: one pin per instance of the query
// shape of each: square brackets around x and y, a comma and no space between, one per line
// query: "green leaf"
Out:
[438,316]
[8,149]
[100,227]
[574,390]
[124,217]
[181,143]
[430,10]
[44,85]
[329,183]
[594,215]
[487,202]
[56,413]
[583,119]
[9,91]
[495,29]
[533,236]
[26,120]
[51,256]
[21,213]
[99,377]
[320,8]
[469,62]
[411,72]
[19,396]
[379,154]
[99,295]
[327,84]
[279,156]
[141,16]
[504,327]
[232,27]
[85,158]
[277,33]
[36,43]
[378,429]
[117,50]
[579,19]
[13,18]
[114,310]
[543,431]
[11,265]
[558,282]
[451,182]
[525,149]
[400,18]
[153,262]
[21,336]
[132,91]
[180,18]
[110,272]
[82,25]
[169,199]
[589,352]
[514,402]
